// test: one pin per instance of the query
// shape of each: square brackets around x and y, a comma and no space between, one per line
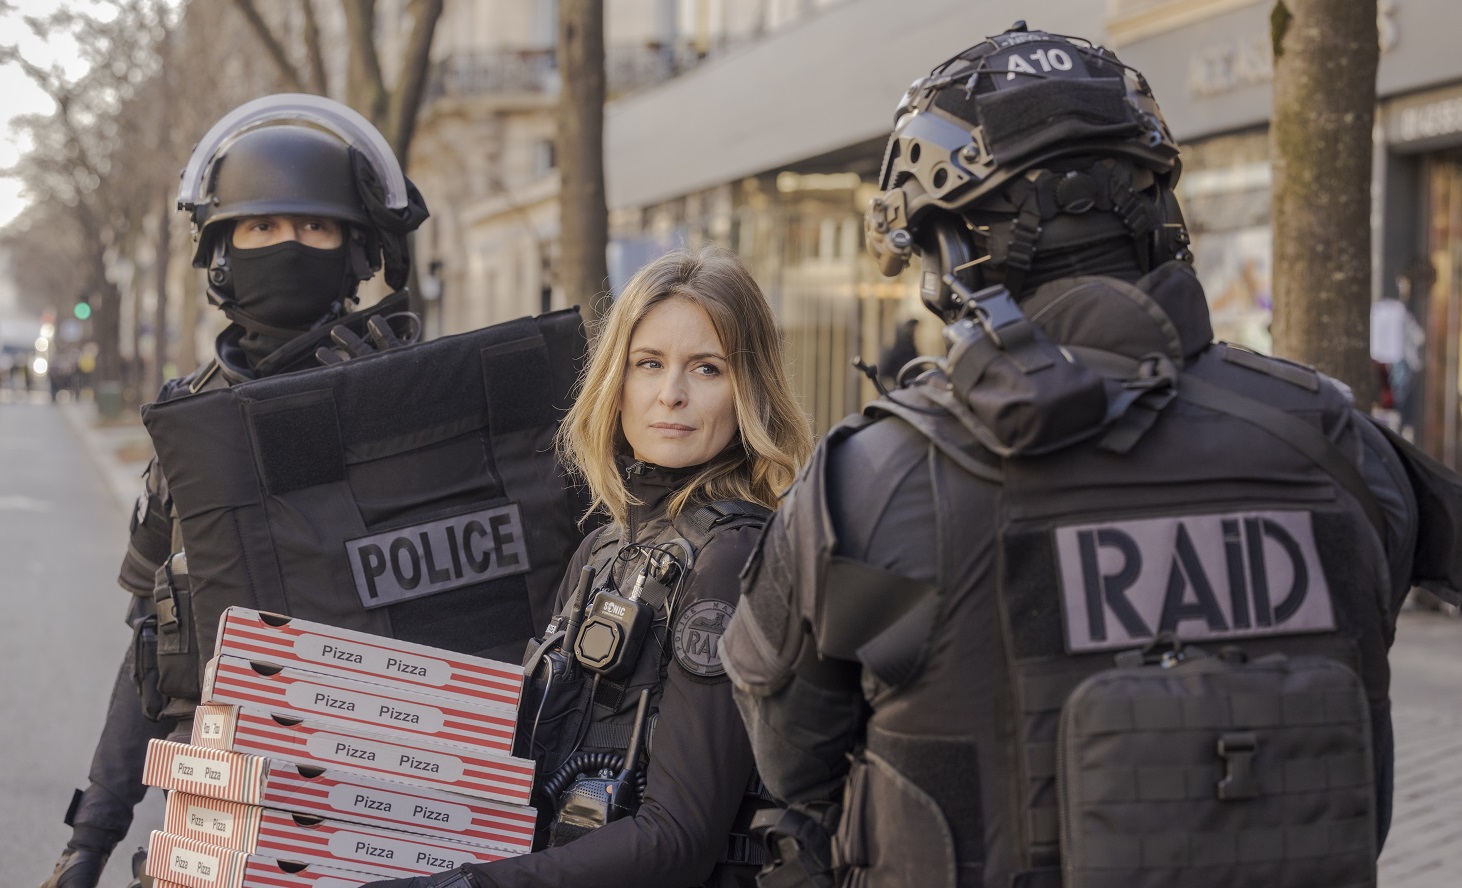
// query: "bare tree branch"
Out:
[367,88]
[415,62]
[272,45]
[318,80]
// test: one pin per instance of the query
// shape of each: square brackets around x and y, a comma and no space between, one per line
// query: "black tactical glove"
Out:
[388,332]
[77,868]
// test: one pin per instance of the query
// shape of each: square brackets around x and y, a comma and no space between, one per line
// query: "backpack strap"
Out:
[1294,432]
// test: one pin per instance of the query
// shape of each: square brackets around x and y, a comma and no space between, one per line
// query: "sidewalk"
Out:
[120,448]
[1424,849]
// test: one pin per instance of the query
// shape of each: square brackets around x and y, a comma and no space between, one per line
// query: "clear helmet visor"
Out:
[327,114]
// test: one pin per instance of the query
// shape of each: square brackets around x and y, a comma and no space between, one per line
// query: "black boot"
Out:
[79,867]
[140,879]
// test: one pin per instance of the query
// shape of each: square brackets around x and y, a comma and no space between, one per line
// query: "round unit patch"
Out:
[698,634]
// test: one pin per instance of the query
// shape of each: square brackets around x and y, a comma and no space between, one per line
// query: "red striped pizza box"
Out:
[309,839]
[336,793]
[358,705]
[475,772]
[194,864]
[315,647]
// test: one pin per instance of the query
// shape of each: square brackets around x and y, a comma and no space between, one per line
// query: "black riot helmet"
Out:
[283,169]
[1027,143]
[303,155]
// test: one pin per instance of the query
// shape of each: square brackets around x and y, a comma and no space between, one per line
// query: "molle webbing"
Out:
[1218,771]
[1253,847]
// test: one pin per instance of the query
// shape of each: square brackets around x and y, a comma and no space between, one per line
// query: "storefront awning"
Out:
[830,81]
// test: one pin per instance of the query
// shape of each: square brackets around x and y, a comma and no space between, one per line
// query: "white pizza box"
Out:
[304,838]
[194,864]
[475,772]
[336,793]
[353,705]
[316,647]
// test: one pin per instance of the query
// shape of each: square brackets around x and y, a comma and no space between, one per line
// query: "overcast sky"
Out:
[21,95]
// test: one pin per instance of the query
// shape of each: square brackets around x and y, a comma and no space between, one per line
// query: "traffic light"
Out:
[82,311]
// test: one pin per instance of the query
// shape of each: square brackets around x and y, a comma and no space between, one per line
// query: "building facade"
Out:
[774,151]
[761,126]
[485,149]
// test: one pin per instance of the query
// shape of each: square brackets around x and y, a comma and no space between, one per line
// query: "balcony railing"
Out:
[535,71]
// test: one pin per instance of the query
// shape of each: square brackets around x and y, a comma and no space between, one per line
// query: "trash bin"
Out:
[109,400]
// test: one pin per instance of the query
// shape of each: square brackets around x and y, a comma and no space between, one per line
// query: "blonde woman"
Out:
[686,431]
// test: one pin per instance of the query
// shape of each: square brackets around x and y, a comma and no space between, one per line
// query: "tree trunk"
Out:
[365,89]
[164,256]
[1325,57]
[105,299]
[583,213]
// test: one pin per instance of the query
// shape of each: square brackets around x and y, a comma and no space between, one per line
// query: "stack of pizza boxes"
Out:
[327,758]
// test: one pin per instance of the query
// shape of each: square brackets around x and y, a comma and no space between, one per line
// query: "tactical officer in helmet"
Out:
[1087,530]
[295,200]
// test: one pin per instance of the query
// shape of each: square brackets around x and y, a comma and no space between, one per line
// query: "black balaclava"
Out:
[290,286]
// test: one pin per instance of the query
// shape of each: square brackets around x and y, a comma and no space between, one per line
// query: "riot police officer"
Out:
[1083,487]
[294,201]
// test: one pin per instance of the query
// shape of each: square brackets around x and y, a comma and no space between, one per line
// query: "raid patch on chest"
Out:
[698,633]
[1204,577]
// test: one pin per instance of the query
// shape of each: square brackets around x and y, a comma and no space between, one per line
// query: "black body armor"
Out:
[413,494]
[1237,502]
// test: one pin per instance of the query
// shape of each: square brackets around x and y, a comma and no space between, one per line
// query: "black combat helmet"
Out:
[1026,142]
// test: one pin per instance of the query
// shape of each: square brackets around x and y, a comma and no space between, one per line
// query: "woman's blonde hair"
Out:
[773,438]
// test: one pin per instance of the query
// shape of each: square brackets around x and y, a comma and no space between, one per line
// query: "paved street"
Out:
[1425,846]
[64,489]
[62,534]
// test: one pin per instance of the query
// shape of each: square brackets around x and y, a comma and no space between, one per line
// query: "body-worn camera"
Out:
[615,625]
[614,630]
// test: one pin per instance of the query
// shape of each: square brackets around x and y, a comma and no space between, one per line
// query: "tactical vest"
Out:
[413,493]
[1215,519]
[591,720]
